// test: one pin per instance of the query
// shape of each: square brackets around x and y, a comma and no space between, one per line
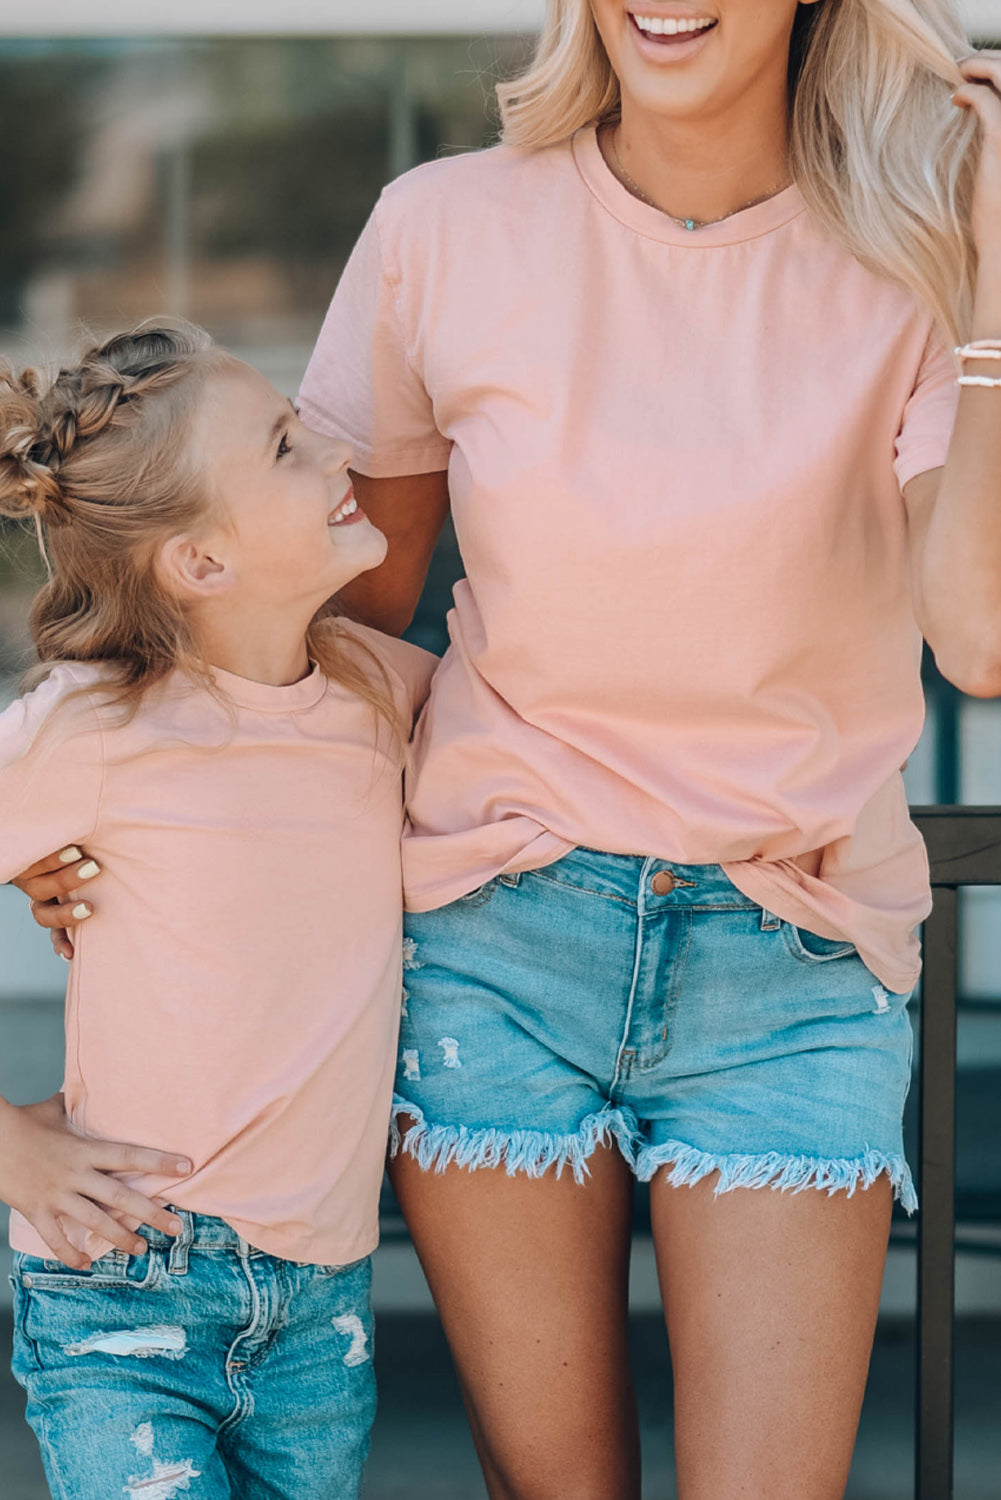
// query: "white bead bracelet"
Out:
[979,349]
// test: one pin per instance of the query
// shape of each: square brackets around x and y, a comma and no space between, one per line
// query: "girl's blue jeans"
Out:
[203,1368]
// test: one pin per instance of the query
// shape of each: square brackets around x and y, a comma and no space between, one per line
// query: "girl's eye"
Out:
[284,447]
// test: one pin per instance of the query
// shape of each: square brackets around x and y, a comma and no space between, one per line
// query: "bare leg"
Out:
[530,1277]
[771,1302]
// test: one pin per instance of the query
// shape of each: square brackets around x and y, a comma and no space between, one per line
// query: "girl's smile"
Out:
[348,512]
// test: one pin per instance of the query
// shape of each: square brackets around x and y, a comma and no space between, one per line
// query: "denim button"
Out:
[663,883]
[27,1281]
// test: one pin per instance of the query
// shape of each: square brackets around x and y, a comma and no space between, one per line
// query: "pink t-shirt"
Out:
[675,462]
[236,996]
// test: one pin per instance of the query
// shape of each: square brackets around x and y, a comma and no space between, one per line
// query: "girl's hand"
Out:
[60,1180]
[47,885]
[981,92]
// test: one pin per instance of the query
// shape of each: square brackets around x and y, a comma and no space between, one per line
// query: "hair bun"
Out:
[29,456]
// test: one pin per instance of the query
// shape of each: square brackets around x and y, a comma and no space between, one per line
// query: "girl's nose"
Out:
[338,456]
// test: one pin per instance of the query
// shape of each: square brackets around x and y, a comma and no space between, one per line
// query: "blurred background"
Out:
[219,162]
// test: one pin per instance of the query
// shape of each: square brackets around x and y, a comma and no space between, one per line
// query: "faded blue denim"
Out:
[553,1011]
[204,1369]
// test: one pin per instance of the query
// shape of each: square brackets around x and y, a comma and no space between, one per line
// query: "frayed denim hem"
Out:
[781,1173]
[435,1147]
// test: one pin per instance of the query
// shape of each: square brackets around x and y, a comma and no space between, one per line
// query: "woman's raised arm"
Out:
[411,512]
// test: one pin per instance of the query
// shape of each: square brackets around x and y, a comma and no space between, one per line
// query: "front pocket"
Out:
[810,948]
[114,1270]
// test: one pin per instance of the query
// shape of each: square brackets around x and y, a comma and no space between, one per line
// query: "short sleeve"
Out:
[412,665]
[361,384]
[926,426]
[51,773]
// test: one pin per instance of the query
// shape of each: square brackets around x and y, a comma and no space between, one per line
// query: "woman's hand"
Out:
[981,92]
[48,883]
[62,1181]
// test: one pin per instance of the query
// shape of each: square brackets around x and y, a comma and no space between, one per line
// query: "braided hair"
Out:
[96,459]
[41,428]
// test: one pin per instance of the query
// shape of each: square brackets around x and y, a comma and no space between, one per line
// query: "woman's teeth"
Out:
[669,26]
[343,511]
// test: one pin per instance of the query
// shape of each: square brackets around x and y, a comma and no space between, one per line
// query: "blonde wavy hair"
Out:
[97,460]
[881,155]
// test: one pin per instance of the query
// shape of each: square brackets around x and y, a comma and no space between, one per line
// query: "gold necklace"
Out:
[637,191]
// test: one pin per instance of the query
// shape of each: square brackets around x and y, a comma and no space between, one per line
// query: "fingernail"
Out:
[89,870]
[71,855]
[184,1166]
[176,1226]
[142,1247]
[81,910]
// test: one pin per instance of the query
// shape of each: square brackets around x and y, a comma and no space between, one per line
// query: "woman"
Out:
[677,355]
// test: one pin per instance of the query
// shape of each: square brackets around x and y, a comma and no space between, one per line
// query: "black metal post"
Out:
[936,1224]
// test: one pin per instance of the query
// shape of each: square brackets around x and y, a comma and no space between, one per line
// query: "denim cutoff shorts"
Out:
[204,1365]
[596,1000]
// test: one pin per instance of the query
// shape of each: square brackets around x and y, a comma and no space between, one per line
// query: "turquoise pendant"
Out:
[689,223]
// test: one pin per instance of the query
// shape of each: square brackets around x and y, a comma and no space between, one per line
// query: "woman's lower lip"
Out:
[667,49]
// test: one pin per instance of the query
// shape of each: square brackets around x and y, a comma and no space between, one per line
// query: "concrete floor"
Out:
[421,1448]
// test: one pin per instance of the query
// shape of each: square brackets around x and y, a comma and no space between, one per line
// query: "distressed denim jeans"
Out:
[204,1368]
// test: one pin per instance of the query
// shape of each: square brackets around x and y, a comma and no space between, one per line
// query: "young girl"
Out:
[218,748]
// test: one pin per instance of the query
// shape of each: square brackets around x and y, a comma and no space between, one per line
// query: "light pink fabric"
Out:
[675,462]
[236,996]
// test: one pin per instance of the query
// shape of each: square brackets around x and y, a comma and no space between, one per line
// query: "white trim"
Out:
[91,18]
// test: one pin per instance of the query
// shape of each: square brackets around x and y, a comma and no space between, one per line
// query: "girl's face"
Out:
[685,59]
[285,528]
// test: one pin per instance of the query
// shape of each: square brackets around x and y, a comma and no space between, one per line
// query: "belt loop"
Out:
[769,921]
[177,1260]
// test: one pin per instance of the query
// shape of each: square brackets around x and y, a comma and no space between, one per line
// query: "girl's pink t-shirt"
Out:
[675,462]
[236,995]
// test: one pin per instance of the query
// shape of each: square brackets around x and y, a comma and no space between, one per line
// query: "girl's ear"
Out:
[188,567]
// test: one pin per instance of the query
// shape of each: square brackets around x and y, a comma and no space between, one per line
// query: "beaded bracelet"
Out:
[979,349]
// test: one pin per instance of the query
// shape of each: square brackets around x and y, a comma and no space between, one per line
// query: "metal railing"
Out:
[964,848]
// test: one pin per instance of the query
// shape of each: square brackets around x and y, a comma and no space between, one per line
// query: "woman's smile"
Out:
[670,37]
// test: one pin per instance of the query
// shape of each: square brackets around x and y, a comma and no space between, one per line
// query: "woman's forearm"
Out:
[956,553]
[411,512]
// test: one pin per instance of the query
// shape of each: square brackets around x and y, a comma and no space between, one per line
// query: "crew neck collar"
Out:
[747,224]
[266,697]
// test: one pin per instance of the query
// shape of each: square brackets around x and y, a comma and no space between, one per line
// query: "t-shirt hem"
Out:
[316,1252]
[438,891]
[784,903]
[25,1240]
